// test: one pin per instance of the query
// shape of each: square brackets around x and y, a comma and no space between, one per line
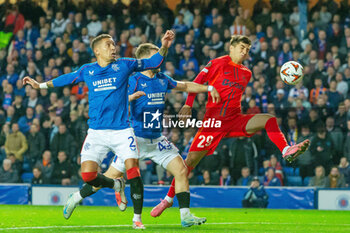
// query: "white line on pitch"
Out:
[218,223]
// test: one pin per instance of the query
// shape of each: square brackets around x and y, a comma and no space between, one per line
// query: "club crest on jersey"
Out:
[115,67]
[162,82]
[91,72]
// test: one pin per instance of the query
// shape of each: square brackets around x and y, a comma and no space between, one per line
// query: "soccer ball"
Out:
[291,72]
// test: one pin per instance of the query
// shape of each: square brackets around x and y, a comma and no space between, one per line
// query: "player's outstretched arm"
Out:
[136,95]
[60,81]
[35,84]
[198,88]
[157,59]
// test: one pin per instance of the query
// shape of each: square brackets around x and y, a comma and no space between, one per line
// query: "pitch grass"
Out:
[26,218]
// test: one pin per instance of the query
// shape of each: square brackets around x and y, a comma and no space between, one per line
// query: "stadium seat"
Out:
[294,181]
[296,171]
[307,180]
[27,177]
[288,171]
[261,179]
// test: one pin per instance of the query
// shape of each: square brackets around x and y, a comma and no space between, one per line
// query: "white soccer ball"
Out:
[291,72]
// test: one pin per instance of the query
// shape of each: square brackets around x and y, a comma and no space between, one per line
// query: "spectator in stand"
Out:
[207,180]
[26,121]
[39,178]
[335,179]
[225,178]
[46,164]
[242,154]
[256,196]
[7,174]
[16,143]
[63,172]
[322,148]
[319,180]
[246,178]
[305,162]
[344,169]
[271,179]
[11,76]
[64,141]
[36,144]
[192,179]
[337,137]
[95,26]
[277,168]
[317,91]
[347,142]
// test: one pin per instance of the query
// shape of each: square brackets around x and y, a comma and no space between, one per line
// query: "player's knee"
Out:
[88,176]
[181,172]
[133,172]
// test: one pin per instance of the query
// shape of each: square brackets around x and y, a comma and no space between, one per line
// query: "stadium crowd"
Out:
[42,131]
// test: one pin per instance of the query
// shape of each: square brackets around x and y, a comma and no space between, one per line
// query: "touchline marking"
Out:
[217,223]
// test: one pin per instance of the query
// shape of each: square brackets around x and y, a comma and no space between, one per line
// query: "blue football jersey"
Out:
[108,89]
[147,111]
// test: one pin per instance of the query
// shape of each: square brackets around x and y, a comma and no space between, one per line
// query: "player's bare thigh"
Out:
[130,163]
[257,123]
[113,173]
[194,157]
[89,166]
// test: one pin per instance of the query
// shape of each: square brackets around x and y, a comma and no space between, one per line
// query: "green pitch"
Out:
[18,218]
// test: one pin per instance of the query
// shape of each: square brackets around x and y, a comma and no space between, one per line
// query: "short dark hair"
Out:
[145,50]
[97,39]
[236,39]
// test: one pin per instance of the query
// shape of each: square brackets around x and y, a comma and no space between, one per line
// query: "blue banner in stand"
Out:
[214,197]
[14,193]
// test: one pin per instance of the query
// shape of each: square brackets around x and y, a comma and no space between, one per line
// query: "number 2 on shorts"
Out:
[132,144]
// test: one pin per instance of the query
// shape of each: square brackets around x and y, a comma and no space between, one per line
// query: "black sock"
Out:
[184,199]
[86,190]
[136,192]
[102,181]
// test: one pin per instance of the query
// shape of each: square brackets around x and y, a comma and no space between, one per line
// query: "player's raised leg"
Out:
[92,179]
[191,161]
[269,123]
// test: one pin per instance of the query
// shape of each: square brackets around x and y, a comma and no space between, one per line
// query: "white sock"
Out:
[116,186]
[77,197]
[184,211]
[285,149]
[136,218]
[169,199]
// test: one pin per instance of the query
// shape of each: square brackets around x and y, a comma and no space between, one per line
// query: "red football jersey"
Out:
[230,80]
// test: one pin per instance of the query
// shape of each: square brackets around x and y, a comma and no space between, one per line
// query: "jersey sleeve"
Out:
[202,77]
[71,78]
[132,85]
[171,82]
[151,63]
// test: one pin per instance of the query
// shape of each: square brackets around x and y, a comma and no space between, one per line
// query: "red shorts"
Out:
[209,138]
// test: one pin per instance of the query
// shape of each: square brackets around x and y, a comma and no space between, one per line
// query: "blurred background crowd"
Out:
[42,131]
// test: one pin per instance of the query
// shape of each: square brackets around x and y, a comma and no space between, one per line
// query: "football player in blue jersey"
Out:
[109,128]
[147,92]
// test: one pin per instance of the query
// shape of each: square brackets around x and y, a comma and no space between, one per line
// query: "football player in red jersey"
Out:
[230,78]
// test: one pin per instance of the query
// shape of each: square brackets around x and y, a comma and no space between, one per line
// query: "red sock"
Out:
[275,134]
[171,192]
